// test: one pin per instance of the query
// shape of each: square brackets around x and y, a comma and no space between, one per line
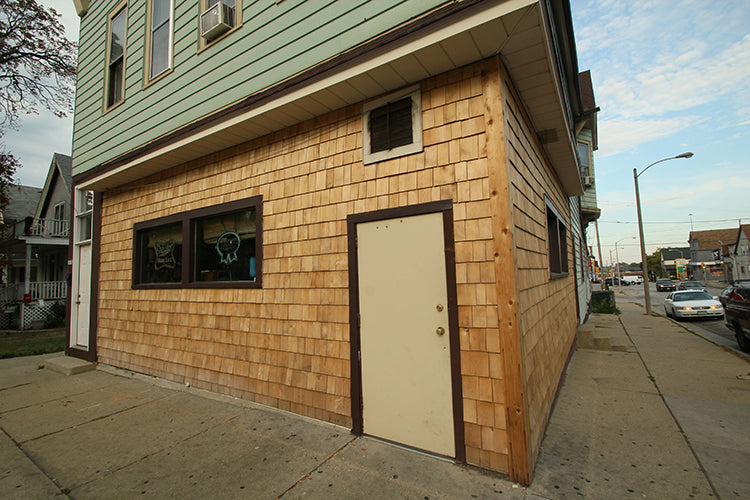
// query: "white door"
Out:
[404,340]
[81,298]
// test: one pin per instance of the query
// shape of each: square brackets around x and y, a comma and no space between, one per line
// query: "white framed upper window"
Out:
[84,211]
[159,38]
[392,125]
[116,38]
[59,211]
[584,156]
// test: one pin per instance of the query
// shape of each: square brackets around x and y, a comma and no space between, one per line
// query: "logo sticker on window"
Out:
[164,255]
[227,245]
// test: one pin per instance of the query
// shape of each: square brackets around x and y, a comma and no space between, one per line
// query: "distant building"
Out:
[737,255]
[585,206]
[706,252]
[34,243]
[669,260]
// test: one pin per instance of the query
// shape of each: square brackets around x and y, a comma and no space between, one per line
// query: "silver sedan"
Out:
[692,304]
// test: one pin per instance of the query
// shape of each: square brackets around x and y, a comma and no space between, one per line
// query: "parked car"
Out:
[665,285]
[634,279]
[691,285]
[736,302]
[692,304]
[615,282]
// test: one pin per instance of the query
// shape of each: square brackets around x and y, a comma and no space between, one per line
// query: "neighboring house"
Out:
[706,253]
[35,244]
[737,255]
[671,257]
[584,209]
[354,212]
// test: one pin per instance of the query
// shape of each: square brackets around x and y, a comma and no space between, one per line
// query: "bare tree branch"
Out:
[37,62]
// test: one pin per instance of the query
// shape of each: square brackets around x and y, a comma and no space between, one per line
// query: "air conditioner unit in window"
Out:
[216,21]
[588,180]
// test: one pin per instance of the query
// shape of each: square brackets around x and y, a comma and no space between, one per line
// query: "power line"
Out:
[661,244]
[736,219]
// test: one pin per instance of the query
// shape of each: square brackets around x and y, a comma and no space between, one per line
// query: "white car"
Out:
[692,304]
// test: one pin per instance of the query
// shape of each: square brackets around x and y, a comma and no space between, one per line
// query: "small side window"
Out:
[557,243]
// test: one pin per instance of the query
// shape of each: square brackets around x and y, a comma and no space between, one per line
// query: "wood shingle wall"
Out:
[287,344]
[546,308]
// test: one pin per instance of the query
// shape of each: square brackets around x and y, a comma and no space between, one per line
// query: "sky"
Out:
[40,136]
[670,76]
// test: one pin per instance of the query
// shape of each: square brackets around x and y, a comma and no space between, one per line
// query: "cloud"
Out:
[654,61]
[687,80]
[38,137]
[620,135]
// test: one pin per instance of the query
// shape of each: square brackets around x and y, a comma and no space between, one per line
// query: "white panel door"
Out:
[404,340]
[81,298]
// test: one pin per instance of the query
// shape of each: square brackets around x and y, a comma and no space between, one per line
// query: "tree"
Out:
[37,62]
[8,167]
[37,67]
[654,263]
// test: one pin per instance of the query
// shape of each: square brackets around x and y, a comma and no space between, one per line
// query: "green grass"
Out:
[30,343]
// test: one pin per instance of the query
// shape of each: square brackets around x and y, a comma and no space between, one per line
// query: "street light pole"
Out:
[644,263]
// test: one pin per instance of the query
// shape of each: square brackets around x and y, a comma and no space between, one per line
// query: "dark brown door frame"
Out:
[96,230]
[446,208]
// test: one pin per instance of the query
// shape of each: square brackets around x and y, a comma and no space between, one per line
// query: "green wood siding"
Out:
[588,200]
[275,42]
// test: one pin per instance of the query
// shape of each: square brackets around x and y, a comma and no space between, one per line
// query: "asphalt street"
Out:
[711,329]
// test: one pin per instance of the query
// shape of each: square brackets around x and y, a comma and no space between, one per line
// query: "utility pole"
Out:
[601,262]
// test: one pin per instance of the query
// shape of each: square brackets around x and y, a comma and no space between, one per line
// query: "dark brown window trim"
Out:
[188,255]
[558,264]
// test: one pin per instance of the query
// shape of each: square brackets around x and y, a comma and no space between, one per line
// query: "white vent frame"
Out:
[217,20]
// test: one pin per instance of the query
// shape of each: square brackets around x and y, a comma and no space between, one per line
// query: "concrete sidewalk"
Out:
[647,410]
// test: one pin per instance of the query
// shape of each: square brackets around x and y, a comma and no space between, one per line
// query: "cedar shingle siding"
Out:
[287,343]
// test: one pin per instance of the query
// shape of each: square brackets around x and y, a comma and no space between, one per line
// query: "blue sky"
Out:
[669,77]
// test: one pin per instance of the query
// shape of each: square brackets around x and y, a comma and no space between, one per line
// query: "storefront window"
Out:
[217,246]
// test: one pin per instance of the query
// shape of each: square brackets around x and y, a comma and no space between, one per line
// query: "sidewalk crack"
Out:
[671,413]
[322,463]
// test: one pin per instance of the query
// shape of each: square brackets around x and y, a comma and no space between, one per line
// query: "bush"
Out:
[603,302]
[56,318]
